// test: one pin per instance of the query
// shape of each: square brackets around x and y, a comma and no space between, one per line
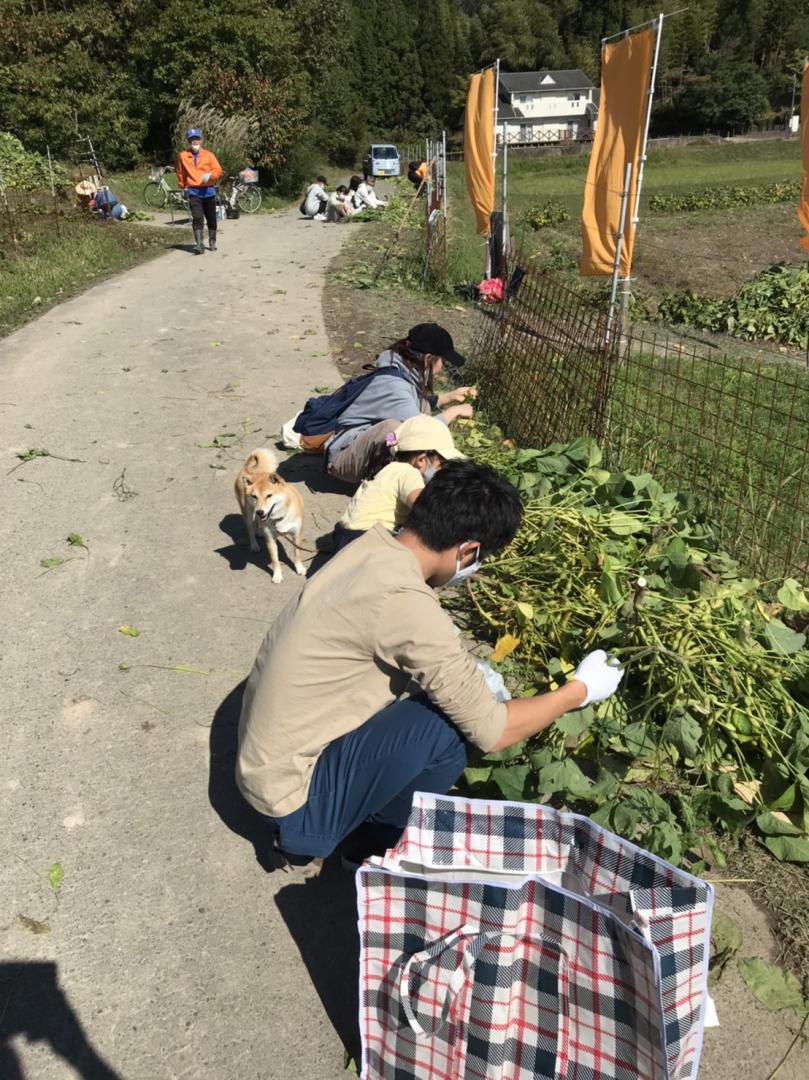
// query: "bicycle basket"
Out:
[249,176]
[156,175]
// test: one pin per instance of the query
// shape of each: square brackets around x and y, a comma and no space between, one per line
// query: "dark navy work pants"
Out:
[369,776]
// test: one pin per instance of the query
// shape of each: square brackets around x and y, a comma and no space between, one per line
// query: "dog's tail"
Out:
[261,460]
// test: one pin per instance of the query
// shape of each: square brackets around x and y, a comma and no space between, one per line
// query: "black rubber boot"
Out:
[199,246]
[212,239]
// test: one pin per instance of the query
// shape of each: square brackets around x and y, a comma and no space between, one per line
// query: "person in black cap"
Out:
[414,363]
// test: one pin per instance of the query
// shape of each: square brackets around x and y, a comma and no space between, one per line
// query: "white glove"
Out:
[206,176]
[599,675]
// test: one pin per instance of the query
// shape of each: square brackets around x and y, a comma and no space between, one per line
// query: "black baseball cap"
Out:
[431,338]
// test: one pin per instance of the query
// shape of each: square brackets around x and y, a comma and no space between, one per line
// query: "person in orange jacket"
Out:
[197,173]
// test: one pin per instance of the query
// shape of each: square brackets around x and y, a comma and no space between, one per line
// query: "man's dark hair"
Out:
[465,501]
[321,179]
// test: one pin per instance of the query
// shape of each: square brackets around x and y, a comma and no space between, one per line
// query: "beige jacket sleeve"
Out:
[416,635]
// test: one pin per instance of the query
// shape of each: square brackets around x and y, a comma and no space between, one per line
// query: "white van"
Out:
[382,160]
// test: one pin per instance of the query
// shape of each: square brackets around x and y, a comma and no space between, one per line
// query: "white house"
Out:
[546,107]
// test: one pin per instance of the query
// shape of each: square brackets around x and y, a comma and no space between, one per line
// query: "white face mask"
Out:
[429,472]
[462,574]
[195,147]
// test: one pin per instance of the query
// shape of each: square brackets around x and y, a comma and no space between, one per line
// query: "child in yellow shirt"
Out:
[396,476]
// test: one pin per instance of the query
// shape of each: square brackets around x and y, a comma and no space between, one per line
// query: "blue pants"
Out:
[369,775]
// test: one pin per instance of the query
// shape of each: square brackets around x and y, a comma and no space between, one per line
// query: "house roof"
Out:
[508,112]
[520,82]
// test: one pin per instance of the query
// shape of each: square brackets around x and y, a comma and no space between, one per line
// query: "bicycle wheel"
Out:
[154,194]
[249,198]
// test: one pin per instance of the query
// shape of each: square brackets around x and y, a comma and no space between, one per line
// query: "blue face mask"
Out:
[462,574]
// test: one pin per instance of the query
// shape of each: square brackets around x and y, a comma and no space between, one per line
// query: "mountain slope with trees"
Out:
[320,77]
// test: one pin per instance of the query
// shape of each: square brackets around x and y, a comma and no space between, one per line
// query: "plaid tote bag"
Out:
[512,941]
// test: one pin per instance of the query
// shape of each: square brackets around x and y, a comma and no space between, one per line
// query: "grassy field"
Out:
[52,263]
[731,432]
[711,252]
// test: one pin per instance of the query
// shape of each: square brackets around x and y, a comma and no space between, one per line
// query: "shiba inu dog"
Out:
[270,506]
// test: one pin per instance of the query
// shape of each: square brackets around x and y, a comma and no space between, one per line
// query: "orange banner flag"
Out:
[478,147]
[625,75]
[803,205]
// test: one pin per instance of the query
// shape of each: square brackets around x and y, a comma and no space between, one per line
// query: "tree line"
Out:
[321,77]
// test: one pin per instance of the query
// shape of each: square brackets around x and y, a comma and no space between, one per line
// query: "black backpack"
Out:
[320,414]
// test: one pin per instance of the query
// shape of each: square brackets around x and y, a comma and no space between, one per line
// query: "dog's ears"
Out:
[247,482]
[275,478]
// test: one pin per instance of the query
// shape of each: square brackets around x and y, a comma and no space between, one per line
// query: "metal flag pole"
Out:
[619,244]
[487,239]
[658,25]
[506,244]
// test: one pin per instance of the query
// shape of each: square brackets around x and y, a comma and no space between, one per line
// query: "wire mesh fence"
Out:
[19,209]
[731,429]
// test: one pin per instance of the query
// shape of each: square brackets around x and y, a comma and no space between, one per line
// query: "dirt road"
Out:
[166,950]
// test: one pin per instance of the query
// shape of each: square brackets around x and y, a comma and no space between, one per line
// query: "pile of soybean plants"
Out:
[709,731]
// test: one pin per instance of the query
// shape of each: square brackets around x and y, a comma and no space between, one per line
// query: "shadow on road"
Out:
[320,913]
[321,916]
[309,469]
[223,795]
[238,554]
[34,1006]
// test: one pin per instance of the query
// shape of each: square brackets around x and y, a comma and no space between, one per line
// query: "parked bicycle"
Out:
[245,194]
[158,194]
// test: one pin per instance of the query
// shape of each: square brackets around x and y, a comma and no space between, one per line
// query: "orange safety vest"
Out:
[190,175]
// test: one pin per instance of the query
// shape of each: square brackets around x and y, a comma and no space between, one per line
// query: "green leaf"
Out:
[608,588]
[638,740]
[563,776]
[477,776]
[788,848]
[130,631]
[775,988]
[75,540]
[574,724]
[55,876]
[621,524]
[34,452]
[510,753]
[782,640]
[511,780]
[776,825]
[48,564]
[34,925]
[793,596]
[684,733]
[726,941]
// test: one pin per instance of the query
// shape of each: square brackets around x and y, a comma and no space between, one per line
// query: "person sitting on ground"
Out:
[397,471]
[337,209]
[414,361]
[365,196]
[104,201]
[315,200]
[332,743]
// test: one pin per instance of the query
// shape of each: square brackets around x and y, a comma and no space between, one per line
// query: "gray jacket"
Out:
[383,398]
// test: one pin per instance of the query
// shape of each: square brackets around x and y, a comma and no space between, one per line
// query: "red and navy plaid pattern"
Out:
[471,967]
